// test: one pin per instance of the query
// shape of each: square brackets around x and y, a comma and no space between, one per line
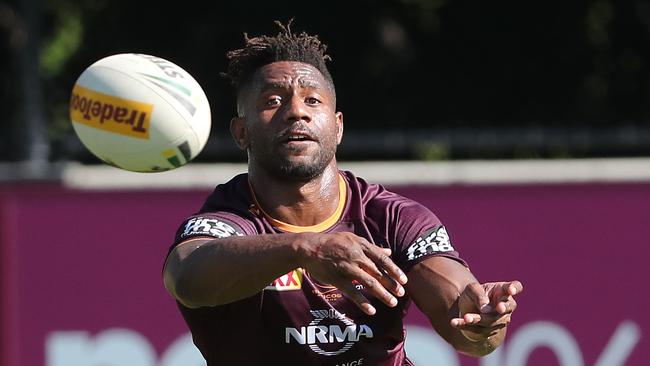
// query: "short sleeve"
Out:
[212,225]
[420,235]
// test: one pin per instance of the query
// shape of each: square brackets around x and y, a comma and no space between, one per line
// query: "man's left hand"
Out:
[486,308]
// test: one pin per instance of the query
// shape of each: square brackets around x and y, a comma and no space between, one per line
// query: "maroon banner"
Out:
[81,274]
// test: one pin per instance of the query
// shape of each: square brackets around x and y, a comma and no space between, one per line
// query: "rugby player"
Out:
[300,263]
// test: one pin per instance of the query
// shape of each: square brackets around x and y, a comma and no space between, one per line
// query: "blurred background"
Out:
[524,125]
[417,79]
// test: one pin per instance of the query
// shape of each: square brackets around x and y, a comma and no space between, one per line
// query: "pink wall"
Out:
[91,261]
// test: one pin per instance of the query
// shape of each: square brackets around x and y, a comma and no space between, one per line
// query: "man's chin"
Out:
[300,172]
[298,168]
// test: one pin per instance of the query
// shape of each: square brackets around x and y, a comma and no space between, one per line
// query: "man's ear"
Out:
[239,132]
[339,124]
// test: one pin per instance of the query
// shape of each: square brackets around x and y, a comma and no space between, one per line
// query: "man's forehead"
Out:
[289,72]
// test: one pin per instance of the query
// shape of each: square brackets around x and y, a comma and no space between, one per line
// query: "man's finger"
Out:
[384,262]
[355,296]
[506,306]
[477,294]
[467,319]
[471,318]
[393,286]
[486,326]
[373,286]
[480,330]
[387,281]
[512,288]
[369,266]
[492,319]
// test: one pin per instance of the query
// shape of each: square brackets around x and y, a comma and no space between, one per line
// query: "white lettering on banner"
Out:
[543,334]
[426,348]
[119,347]
[113,347]
[116,347]
[182,352]
[555,337]
[621,345]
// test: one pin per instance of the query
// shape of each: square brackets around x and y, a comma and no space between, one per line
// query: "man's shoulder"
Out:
[372,201]
[373,193]
[224,213]
[233,196]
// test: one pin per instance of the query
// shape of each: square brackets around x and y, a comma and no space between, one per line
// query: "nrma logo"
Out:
[329,334]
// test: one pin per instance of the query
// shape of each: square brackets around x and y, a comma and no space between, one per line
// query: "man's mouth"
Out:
[297,137]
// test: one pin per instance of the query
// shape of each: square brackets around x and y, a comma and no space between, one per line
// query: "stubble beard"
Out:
[284,168]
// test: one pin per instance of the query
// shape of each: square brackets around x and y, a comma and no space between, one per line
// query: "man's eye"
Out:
[273,101]
[312,100]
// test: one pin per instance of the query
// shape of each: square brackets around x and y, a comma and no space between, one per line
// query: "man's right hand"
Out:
[339,258]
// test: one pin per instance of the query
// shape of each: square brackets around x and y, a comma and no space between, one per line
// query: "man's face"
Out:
[292,127]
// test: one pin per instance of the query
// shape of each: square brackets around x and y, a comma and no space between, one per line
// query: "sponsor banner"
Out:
[81,275]
[423,346]
[122,116]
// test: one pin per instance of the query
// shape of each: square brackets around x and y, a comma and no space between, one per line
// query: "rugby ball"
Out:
[140,113]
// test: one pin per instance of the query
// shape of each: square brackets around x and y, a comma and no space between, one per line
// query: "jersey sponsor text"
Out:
[210,227]
[433,241]
[328,340]
[287,282]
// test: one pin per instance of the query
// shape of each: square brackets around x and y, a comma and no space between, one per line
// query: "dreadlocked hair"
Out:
[285,46]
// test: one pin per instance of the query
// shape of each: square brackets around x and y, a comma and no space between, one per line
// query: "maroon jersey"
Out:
[296,320]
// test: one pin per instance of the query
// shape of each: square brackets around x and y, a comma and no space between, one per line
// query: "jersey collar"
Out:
[320,227]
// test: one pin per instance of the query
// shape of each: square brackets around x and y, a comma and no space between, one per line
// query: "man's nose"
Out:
[297,110]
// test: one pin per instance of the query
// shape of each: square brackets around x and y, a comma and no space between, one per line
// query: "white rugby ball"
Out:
[140,113]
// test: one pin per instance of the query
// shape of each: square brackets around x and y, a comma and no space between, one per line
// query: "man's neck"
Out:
[297,203]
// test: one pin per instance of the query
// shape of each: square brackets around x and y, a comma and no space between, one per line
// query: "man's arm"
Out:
[470,316]
[209,272]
